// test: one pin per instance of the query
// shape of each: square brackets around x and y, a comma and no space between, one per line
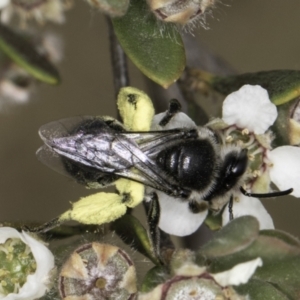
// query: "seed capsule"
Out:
[98,271]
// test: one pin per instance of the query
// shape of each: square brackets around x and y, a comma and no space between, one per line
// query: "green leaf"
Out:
[22,52]
[284,236]
[281,261]
[213,222]
[131,231]
[235,236]
[282,85]
[154,277]
[256,289]
[155,48]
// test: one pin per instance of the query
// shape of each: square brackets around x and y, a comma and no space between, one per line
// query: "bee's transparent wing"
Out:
[51,159]
[101,146]
[62,128]
[53,130]
[152,142]
[85,175]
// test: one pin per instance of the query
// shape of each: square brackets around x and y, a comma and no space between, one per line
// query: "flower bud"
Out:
[179,11]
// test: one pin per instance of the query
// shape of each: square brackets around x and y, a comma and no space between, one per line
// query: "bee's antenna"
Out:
[174,108]
[266,195]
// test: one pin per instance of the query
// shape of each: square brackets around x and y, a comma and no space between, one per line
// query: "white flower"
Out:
[37,283]
[249,108]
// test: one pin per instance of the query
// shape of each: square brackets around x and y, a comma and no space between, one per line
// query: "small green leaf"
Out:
[155,48]
[256,289]
[282,85]
[22,52]
[284,236]
[235,236]
[154,277]
[214,222]
[131,231]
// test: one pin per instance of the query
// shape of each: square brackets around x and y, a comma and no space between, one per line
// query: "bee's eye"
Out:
[235,167]
[240,165]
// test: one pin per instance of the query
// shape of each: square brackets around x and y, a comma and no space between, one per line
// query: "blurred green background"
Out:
[251,35]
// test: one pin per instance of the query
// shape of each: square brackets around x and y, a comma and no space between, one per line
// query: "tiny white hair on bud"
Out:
[183,12]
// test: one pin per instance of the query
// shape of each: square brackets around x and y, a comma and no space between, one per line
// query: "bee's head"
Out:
[232,168]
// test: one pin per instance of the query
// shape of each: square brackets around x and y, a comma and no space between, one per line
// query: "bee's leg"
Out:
[230,208]
[153,219]
[174,108]
[162,244]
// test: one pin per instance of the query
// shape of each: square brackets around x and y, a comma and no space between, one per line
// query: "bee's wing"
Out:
[152,142]
[103,147]
[88,176]
[53,130]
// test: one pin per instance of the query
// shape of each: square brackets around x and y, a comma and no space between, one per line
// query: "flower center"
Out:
[16,263]
[101,283]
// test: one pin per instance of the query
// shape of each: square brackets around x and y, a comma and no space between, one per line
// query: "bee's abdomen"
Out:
[191,163]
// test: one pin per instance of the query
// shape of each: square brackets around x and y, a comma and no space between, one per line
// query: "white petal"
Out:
[285,172]
[36,284]
[239,274]
[4,3]
[251,108]
[180,120]
[249,206]
[9,233]
[176,217]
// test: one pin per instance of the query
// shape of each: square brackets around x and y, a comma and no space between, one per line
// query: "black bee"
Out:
[191,164]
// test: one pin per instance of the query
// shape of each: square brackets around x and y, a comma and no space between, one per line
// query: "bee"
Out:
[191,165]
